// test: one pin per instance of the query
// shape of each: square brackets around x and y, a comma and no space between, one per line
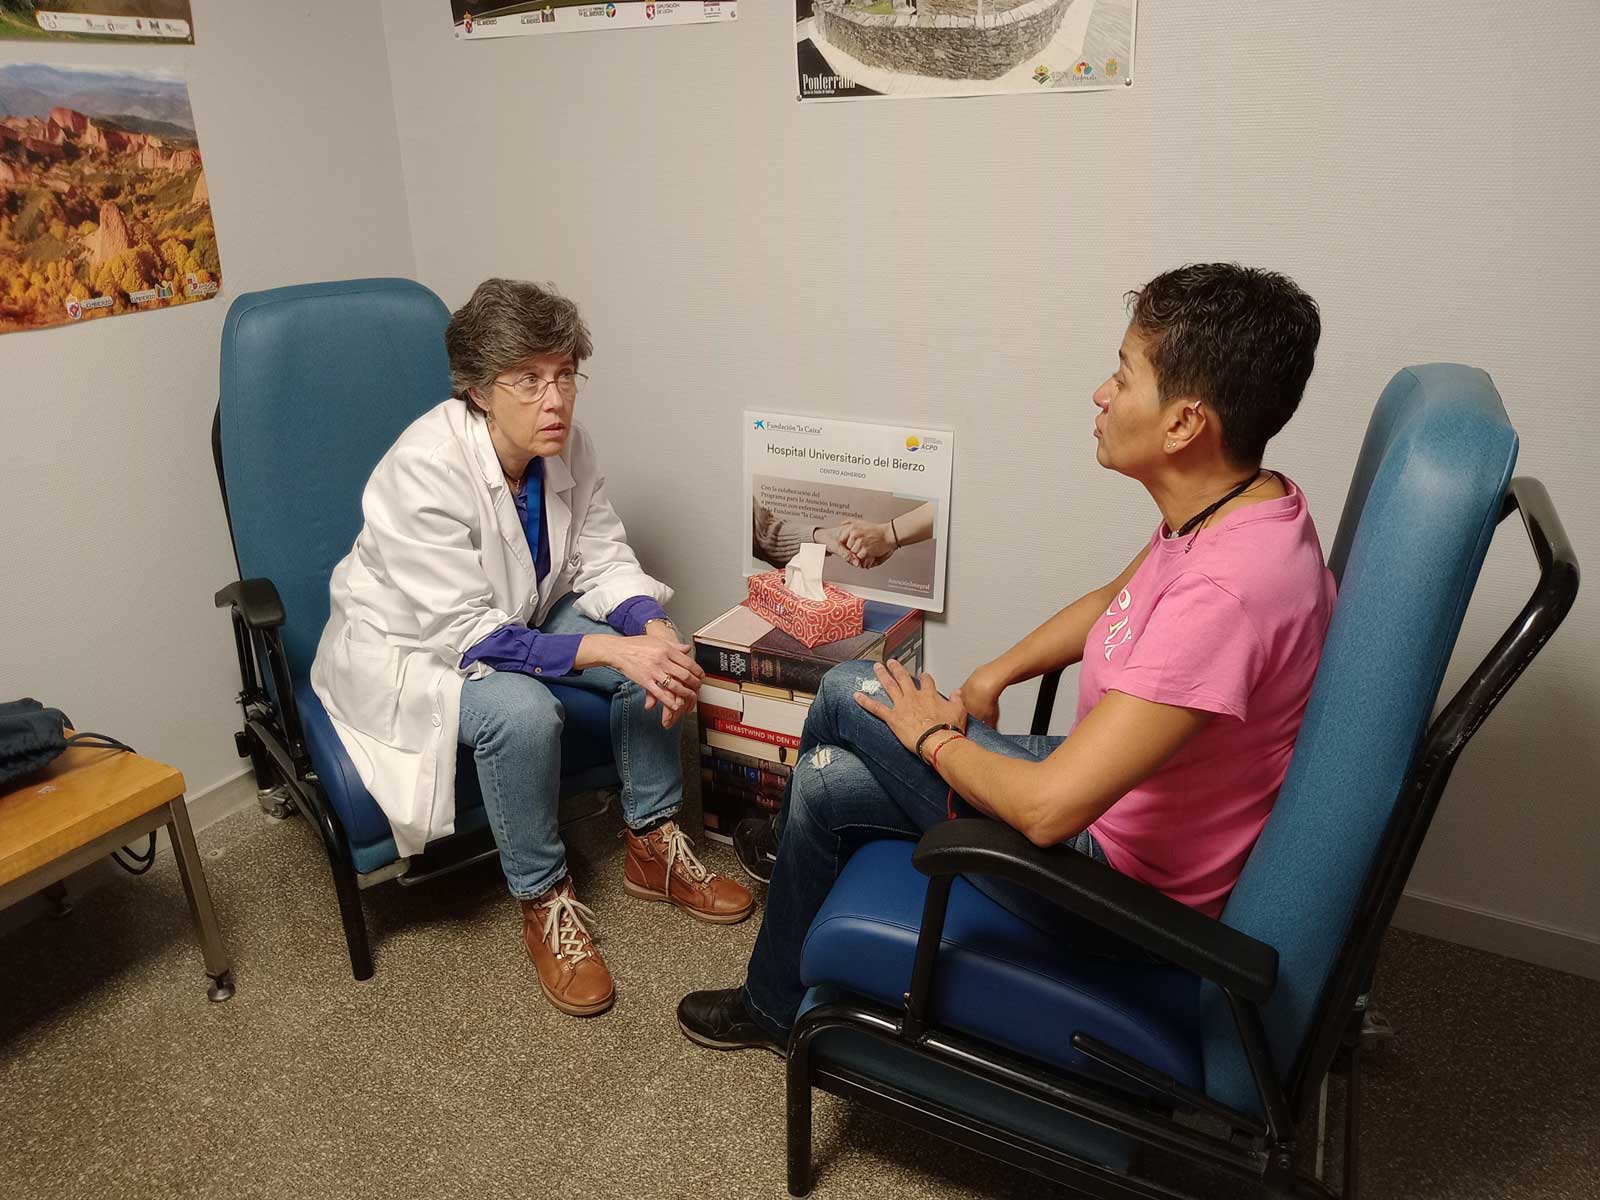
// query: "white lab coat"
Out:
[442,561]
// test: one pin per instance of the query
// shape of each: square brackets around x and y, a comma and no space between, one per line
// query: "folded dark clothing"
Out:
[31,736]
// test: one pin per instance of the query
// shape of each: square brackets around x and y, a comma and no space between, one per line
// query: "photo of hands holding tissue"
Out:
[848,536]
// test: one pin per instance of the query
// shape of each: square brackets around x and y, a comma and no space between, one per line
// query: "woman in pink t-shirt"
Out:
[1197,660]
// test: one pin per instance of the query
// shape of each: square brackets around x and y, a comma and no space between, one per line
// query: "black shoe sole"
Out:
[701,1039]
[755,872]
[761,869]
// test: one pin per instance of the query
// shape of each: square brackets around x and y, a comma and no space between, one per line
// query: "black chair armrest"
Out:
[256,600]
[1094,892]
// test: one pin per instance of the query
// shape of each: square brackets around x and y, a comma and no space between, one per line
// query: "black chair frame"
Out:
[1262,1152]
[272,737]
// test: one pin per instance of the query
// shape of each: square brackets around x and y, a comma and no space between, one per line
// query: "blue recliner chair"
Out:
[932,1004]
[317,383]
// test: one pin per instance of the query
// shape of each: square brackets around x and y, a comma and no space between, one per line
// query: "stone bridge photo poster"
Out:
[104,208]
[847,49]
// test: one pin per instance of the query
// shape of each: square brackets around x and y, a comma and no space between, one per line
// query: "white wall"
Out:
[112,538]
[1427,171]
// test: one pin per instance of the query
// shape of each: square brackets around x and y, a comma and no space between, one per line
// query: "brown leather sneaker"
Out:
[571,972]
[661,866]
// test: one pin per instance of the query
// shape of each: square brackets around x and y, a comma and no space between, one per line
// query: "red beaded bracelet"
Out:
[942,745]
[950,795]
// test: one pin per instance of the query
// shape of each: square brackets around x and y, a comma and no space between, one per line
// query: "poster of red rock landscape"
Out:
[103,201]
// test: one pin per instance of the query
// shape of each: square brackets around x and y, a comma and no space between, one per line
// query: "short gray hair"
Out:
[505,322]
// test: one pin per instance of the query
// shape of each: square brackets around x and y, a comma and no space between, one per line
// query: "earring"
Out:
[1170,445]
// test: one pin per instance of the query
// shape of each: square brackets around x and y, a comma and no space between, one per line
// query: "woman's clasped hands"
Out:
[660,664]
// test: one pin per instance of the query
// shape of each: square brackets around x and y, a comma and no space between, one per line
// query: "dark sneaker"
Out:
[721,1021]
[755,843]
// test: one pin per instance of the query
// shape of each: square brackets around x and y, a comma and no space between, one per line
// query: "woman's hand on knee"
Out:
[916,704]
[665,669]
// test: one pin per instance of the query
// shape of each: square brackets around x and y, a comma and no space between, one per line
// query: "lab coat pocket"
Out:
[557,584]
[368,692]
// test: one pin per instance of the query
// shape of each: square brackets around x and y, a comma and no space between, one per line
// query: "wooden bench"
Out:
[84,805]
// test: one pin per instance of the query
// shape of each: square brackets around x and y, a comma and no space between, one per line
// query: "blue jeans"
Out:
[512,723]
[855,783]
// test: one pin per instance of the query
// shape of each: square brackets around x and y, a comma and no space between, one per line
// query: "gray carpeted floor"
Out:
[448,1075]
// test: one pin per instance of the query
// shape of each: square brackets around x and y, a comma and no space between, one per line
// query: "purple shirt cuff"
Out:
[631,616]
[518,648]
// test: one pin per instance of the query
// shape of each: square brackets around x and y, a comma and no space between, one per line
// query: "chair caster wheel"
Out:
[275,802]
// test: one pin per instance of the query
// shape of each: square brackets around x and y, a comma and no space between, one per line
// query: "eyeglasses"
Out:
[532,388]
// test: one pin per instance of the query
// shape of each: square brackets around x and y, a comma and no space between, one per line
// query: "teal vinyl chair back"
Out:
[1428,491]
[332,346]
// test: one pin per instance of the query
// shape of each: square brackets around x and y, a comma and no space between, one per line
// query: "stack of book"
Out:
[759,685]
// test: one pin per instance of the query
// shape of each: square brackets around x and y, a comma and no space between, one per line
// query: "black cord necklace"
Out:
[1200,518]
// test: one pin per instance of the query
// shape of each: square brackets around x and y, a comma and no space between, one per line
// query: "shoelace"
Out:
[564,929]
[681,849]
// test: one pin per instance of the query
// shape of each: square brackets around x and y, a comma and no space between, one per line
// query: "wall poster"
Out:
[496,18]
[850,49]
[877,498]
[104,207]
[96,20]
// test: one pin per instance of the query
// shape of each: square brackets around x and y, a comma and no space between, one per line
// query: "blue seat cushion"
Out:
[585,763]
[999,978]
[900,1067]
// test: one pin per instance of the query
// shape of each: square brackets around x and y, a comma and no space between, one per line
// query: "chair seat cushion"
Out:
[998,977]
[585,763]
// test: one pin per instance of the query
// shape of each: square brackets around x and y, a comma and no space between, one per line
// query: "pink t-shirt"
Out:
[1233,626]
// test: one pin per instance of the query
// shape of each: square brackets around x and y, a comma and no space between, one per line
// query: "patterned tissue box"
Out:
[810,622]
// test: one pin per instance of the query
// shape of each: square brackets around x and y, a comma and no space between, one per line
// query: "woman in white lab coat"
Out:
[489,561]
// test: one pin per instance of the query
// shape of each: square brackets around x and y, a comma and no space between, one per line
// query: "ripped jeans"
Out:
[855,783]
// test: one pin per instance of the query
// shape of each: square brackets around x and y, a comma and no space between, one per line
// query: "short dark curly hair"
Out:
[1241,340]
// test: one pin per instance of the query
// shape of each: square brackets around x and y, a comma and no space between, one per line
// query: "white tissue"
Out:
[803,576]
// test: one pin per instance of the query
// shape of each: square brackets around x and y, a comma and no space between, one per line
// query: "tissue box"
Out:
[809,622]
